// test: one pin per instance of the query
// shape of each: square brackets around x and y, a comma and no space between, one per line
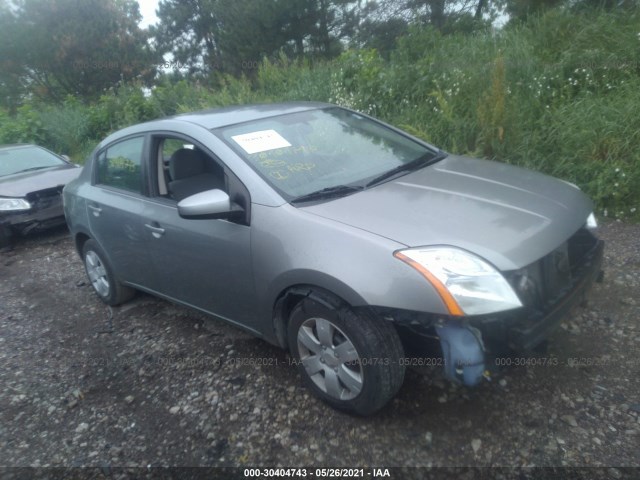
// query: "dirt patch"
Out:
[154,384]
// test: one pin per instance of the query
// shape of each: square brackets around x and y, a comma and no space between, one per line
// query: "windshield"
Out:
[21,159]
[310,151]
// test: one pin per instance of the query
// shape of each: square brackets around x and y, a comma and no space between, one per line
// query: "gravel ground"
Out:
[154,384]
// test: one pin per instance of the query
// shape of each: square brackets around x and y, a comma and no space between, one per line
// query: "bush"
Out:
[25,127]
[299,80]
[559,94]
[66,129]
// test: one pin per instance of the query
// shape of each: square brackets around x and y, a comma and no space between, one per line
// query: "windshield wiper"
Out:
[416,164]
[329,192]
[33,168]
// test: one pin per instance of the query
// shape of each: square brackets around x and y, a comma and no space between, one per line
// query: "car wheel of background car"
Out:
[349,360]
[101,276]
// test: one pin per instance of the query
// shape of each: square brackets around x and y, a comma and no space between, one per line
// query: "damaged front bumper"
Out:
[23,223]
[46,211]
[471,345]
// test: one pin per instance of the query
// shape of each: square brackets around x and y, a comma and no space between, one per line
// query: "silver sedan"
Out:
[338,237]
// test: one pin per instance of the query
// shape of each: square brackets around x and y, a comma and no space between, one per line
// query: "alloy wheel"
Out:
[97,274]
[330,359]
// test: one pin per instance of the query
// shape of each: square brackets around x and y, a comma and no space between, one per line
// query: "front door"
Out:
[205,263]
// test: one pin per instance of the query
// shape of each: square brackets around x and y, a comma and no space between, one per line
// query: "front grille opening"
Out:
[540,283]
[579,245]
[45,198]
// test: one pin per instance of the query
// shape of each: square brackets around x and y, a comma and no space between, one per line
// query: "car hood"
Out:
[508,215]
[20,184]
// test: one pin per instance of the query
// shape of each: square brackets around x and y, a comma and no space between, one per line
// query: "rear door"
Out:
[116,208]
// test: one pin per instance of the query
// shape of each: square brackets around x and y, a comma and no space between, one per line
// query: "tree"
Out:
[445,15]
[381,34]
[430,11]
[335,21]
[606,4]
[522,9]
[254,29]
[229,35]
[298,22]
[54,48]
[190,31]
[10,68]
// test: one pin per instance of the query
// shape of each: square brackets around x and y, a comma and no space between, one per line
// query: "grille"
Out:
[547,279]
[45,198]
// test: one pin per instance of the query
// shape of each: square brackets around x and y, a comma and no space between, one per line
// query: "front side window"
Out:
[119,165]
[184,169]
[308,151]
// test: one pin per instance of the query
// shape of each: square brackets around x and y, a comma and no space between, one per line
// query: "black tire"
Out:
[101,276]
[370,371]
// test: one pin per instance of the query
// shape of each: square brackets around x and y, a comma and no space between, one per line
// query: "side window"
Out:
[119,165]
[170,145]
[184,169]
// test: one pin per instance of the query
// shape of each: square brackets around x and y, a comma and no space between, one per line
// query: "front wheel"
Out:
[100,274]
[349,360]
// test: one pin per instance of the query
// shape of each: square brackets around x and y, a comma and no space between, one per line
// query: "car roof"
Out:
[216,118]
[222,117]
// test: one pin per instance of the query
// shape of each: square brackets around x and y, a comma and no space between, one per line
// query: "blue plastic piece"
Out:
[463,354]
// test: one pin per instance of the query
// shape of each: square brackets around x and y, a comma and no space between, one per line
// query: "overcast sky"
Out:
[148,11]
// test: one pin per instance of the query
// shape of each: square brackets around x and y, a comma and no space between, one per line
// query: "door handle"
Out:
[96,210]
[157,232]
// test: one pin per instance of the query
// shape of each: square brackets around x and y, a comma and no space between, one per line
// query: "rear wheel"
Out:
[101,276]
[349,360]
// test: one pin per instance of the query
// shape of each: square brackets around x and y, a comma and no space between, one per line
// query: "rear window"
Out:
[119,165]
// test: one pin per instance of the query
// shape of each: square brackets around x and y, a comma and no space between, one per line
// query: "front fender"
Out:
[291,247]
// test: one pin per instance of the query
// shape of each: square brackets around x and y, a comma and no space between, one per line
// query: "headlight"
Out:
[13,204]
[592,224]
[467,284]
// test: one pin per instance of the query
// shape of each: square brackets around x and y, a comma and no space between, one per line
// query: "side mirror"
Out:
[208,204]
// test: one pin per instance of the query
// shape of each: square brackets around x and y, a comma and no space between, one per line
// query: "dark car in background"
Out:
[31,182]
[337,236]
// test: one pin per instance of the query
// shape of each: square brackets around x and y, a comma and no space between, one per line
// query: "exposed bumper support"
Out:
[39,217]
[463,352]
[535,329]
